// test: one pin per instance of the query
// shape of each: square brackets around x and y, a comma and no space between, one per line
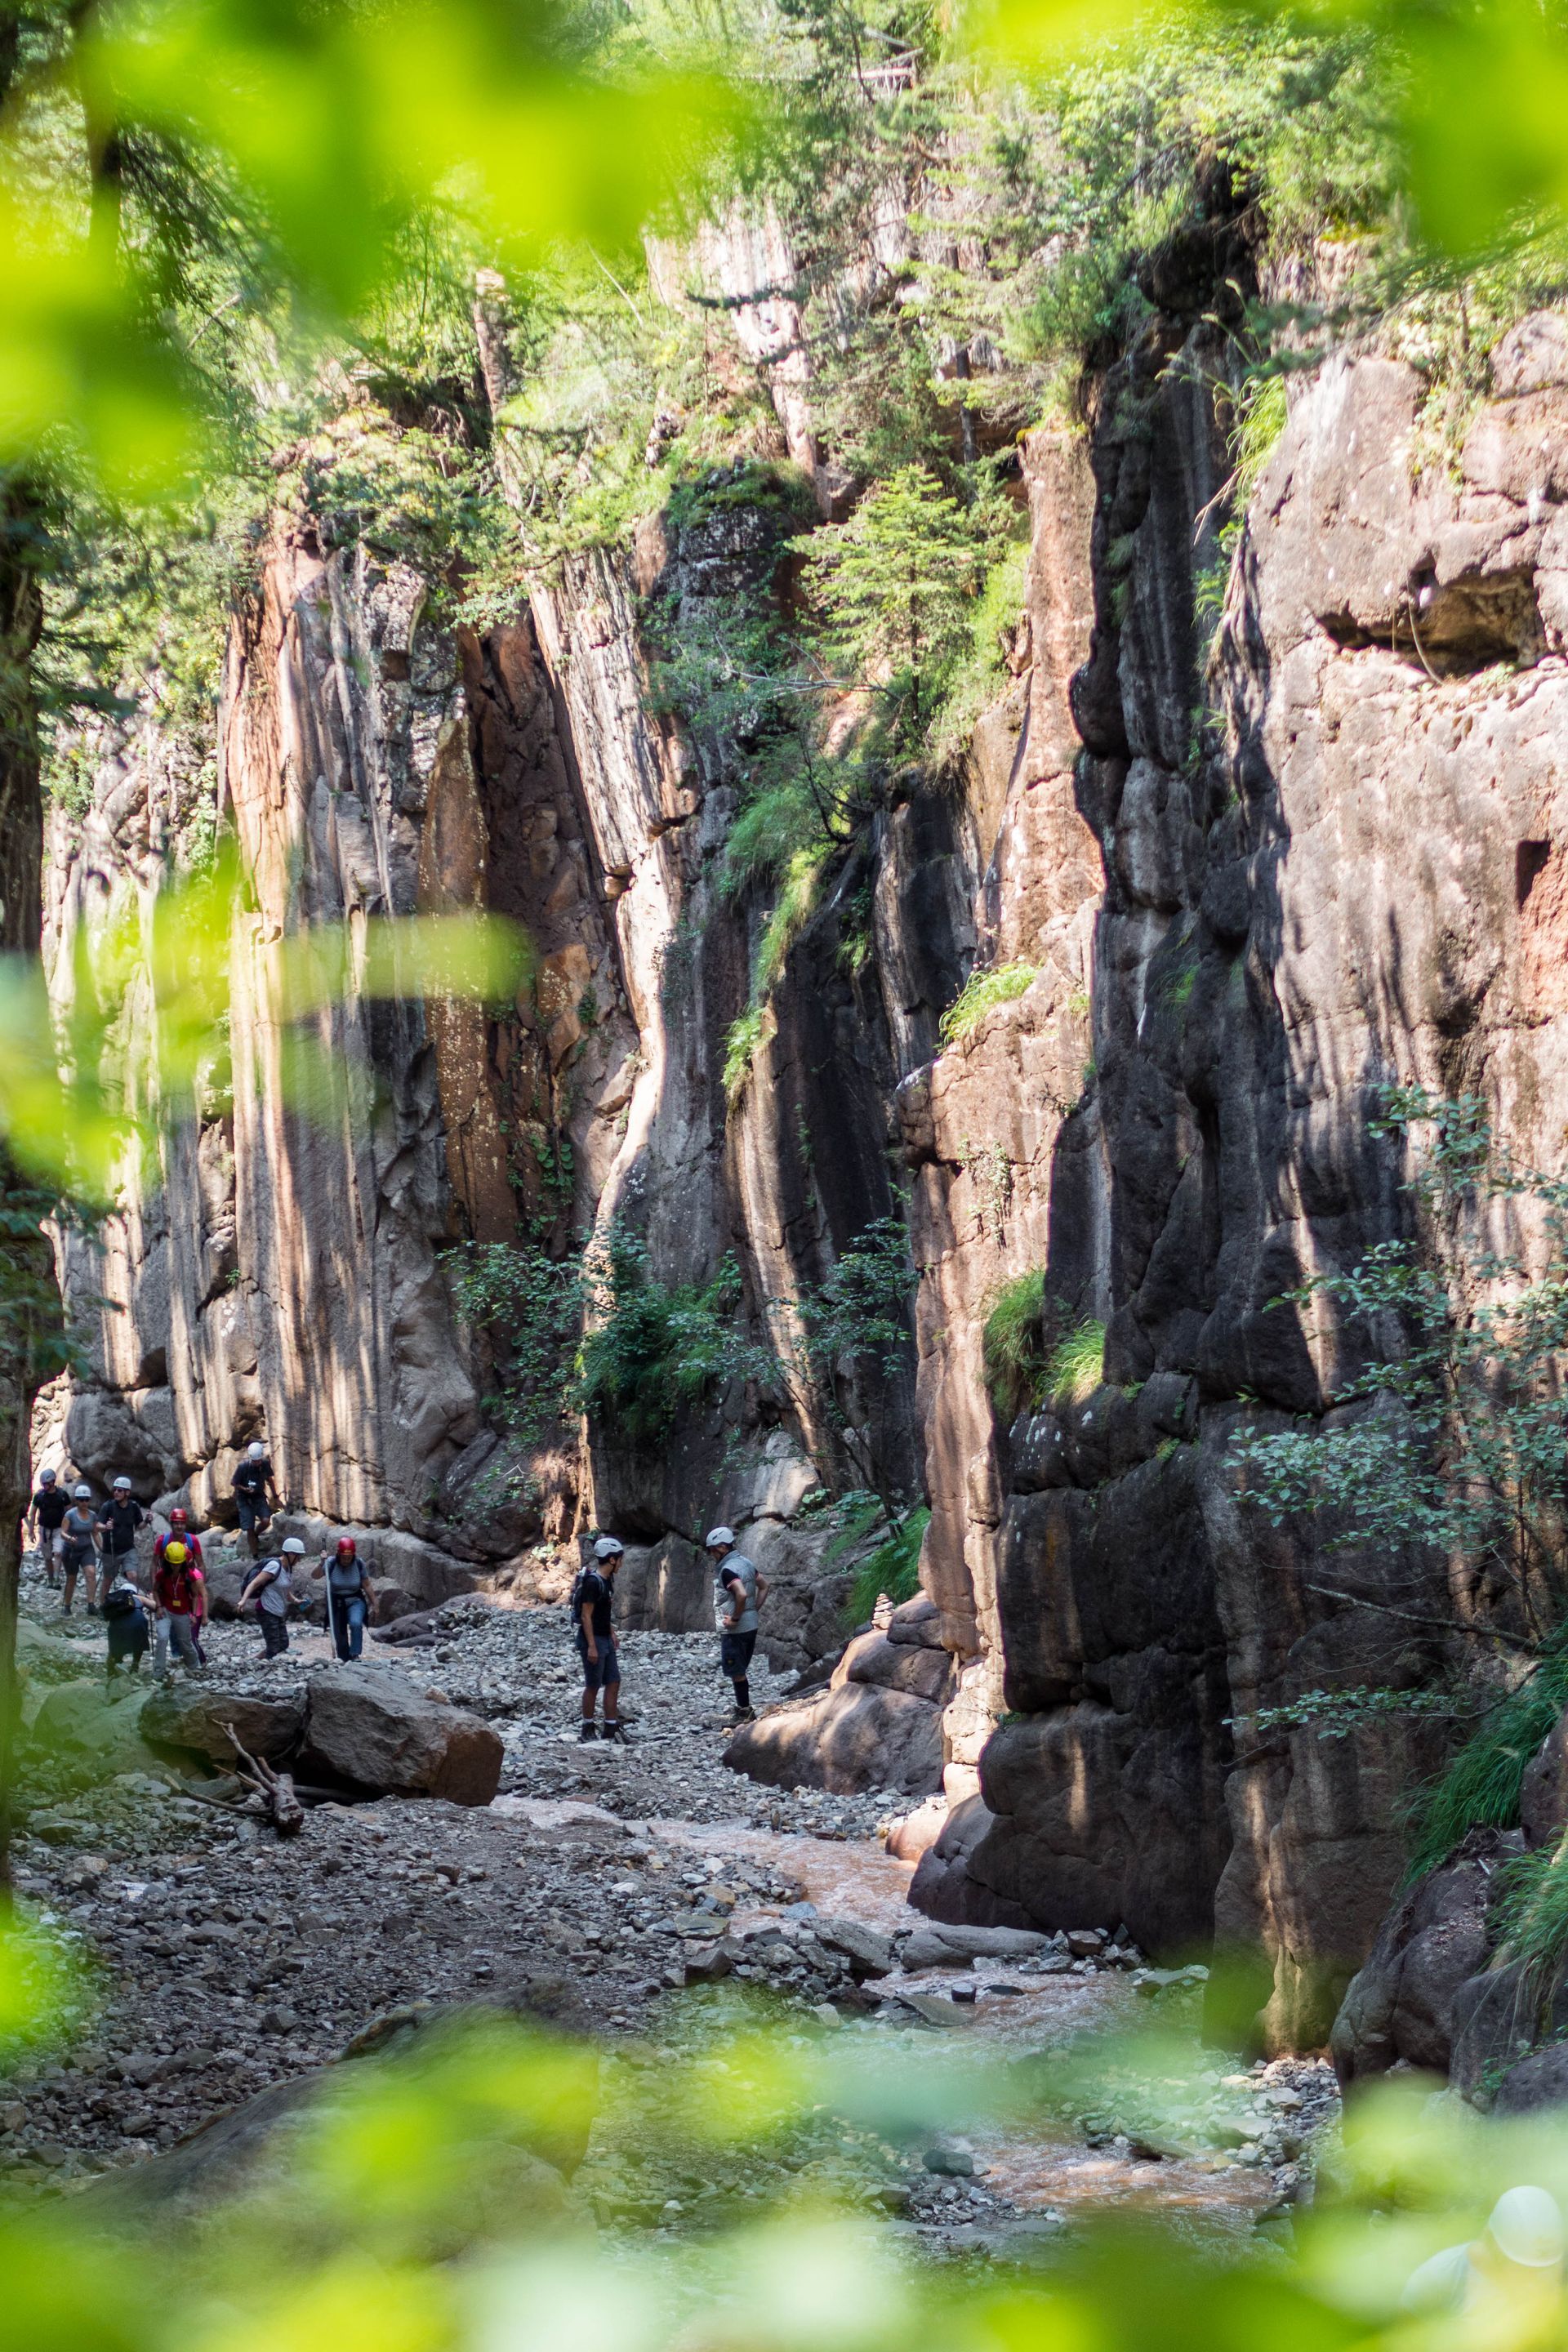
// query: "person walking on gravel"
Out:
[80,1530]
[125,1620]
[738,1590]
[273,1589]
[348,1598]
[45,1512]
[117,1524]
[179,1595]
[255,1496]
[593,1606]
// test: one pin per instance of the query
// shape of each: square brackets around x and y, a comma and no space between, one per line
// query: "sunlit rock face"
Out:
[1354,871]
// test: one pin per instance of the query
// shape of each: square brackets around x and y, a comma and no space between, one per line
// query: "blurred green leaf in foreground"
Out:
[1476,91]
[138,1037]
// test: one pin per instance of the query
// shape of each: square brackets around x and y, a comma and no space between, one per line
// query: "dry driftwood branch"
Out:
[284,1809]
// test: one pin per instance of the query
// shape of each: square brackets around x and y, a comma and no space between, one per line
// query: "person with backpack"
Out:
[179,1596]
[79,1531]
[117,1524]
[271,1589]
[45,1512]
[593,1605]
[125,1621]
[348,1598]
[740,1588]
[255,1496]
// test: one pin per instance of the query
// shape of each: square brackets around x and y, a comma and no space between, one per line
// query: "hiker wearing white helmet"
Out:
[738,1590]
[255,1496]
[48,1509]
[80,1529]
[117,1524]
[1518,2258]
[593,1623]
[272,1587]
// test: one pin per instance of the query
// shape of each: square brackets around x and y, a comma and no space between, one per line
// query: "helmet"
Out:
[292,1548]
[608,1548]
[346,1547]
[83,1493]
[176,1553]
[719,1538]
[46,1478]
[179,1518]
[122,1484]
[1526,2226]
[256,1450]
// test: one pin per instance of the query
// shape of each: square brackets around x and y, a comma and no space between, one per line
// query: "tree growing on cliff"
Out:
[1448,1442]
[896,585]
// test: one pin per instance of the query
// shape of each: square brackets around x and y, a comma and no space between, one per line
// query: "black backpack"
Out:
[119,1601]
[579,1594]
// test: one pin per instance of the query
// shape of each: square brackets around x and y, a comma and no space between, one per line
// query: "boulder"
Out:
[667,1588]
[869,1954]
[942,1886]
[389,1602]
[371,1726]
[1499,2018]
[912,1835]
[226,1579]
[917,1623]
[199,1721]
[1539,2081]
[876,1659]
[1399,2004]
[1543,1792]
[948,1947]
[855,1738]
[91,1732]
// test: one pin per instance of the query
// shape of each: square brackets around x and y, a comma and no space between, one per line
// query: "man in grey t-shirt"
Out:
[738,1589]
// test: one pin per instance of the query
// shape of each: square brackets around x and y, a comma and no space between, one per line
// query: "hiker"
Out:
[348,1598]
[79,1530]
[1516,2259]
[179,1596]
[593,1602]
[125,1620]
[255,1496]
[739,1592]
[45,1512]
[271,1588]
[117,1524]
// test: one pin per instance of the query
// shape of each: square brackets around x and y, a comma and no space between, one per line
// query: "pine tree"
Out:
[896,585]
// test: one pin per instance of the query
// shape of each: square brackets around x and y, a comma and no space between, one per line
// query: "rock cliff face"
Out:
[1351,871]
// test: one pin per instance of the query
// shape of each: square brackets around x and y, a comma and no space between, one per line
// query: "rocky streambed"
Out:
[642,1895]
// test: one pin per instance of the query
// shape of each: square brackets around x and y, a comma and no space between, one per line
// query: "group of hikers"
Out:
[740,1590]
[99,1545]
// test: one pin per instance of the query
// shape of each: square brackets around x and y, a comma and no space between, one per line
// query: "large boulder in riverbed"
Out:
[200,1720]
[372,1726]
[1400,2003]
[858,1737]
[88,1733]
[942,1886]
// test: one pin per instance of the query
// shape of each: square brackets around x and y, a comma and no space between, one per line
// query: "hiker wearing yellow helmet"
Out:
[179,1594]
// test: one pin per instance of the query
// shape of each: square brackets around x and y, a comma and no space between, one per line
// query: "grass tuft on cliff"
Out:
[1480,1788]
[1014,1342]
[1530,1911]
[982,992]
[894,1568]
[1077,1366]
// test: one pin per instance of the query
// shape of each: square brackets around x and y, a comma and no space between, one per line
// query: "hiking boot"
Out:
[743,1714]
[616,1732]
[588,1731]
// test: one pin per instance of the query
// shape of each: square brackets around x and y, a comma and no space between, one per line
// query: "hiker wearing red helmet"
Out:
[348,1597]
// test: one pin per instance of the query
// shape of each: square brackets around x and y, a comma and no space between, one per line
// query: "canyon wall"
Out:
[1254,879]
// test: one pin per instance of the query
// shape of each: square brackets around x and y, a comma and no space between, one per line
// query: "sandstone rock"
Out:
[91,1733]
[907,1666]
[869,1954]
[951,1947]
[667,1588]
[916,1621]
[1543,1793]
[912,1835]
[1539,2081]
[858,1737]
[199,1721]
[942,1886]
[369,1725]
[1400,2004]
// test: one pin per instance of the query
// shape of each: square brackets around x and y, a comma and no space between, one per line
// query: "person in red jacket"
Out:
[179,1596]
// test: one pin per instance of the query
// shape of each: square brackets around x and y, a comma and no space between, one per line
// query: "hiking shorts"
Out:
[255,1513]
[735,1654]
[598,1672]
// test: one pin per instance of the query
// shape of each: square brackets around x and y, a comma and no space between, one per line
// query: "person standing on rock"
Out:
[739,1592]
[45,1512]
[271,1589]
[593,1607]
[348,1598]
[255,1496]
[79,1530]
[117,1524]
[179,1594]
